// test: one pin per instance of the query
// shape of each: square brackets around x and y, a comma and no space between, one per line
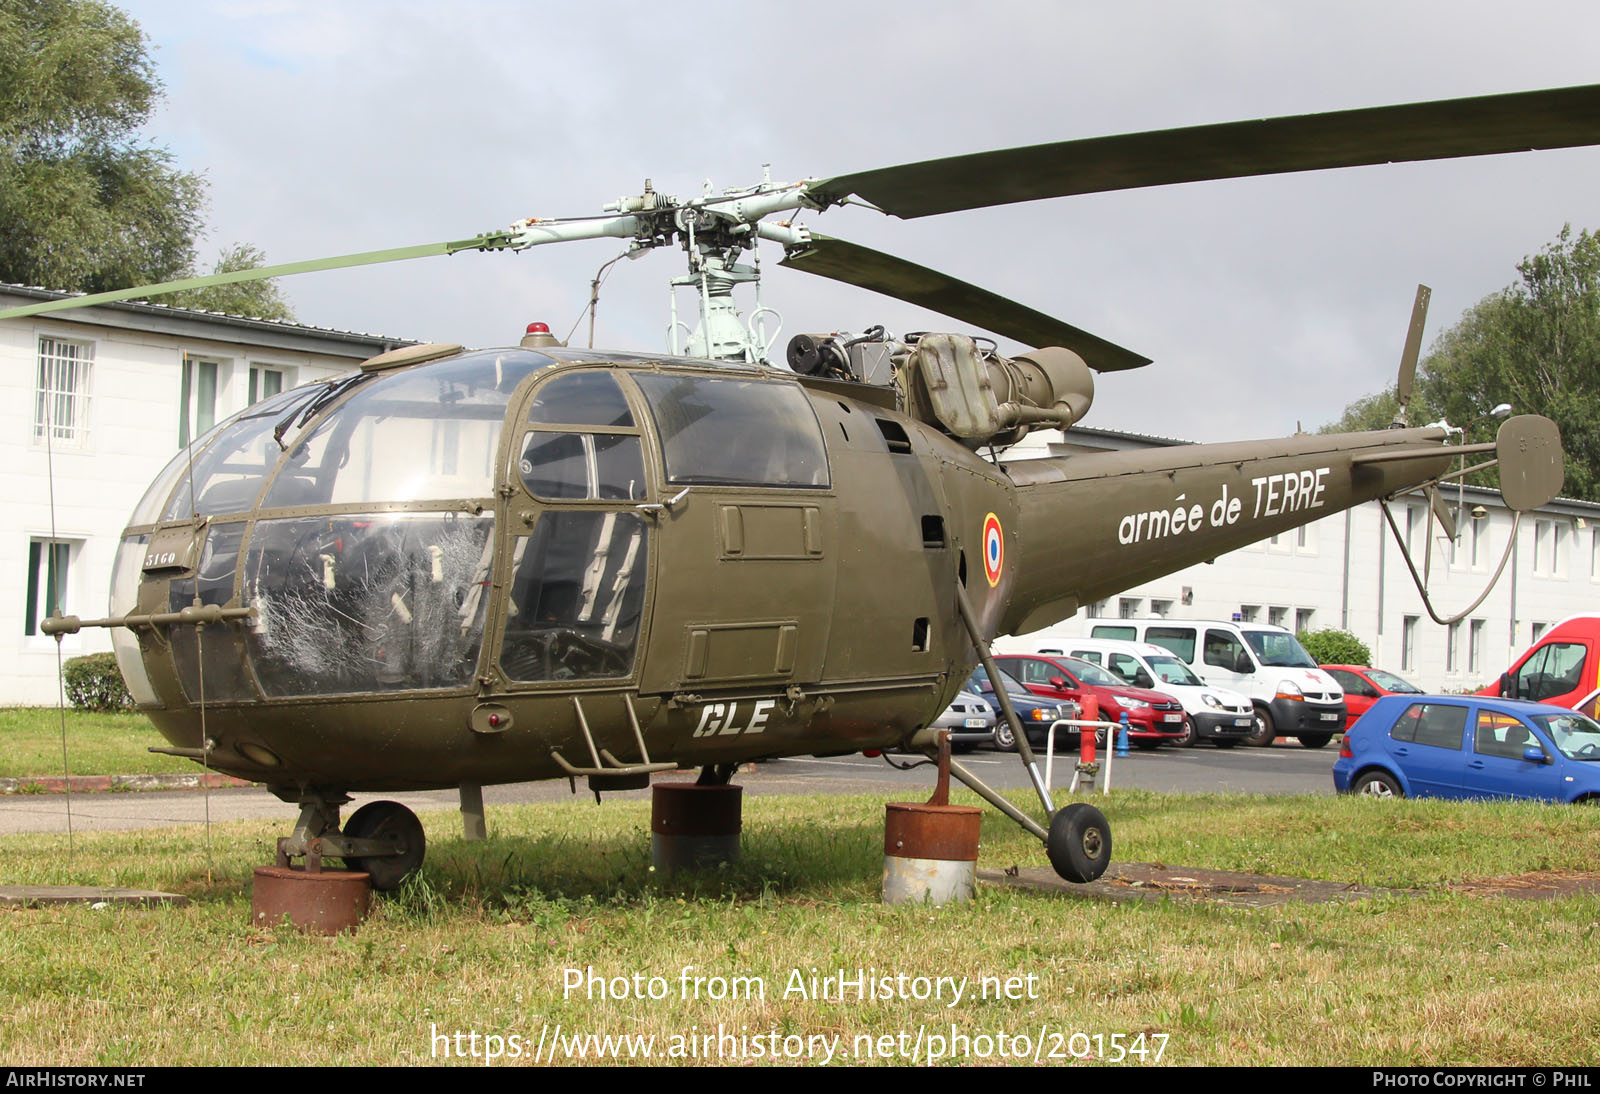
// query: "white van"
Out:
[1291,695]
[1219,715]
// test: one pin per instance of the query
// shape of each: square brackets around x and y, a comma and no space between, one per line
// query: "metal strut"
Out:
[1024,749]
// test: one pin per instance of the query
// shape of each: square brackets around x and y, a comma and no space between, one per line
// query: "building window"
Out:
[1128,607]
[264,383]
[1162,608]
[1558,547]
[198,409]
[1249,613]
[1541,546]
[1479,531]
[1097,610]
[1414,527]
[61,396]
[48,561]
[1408,644]
[1302,619]
[1539,629]
[1594,555]
[1277,616]
[1452,648]
[1475,646]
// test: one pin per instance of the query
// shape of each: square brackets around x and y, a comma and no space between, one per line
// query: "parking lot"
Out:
[1285,768]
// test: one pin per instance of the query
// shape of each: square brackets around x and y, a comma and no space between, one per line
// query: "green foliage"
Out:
[95,683]
[1535,345]
[257,299]
[85,203]
[1333,647]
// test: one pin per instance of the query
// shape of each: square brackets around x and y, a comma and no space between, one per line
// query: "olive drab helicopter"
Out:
[458,567]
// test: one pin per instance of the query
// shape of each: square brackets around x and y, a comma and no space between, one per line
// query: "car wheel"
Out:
[1376,784]
[1315,740]
[1079,844]
[1004,739]
[1264,732]
[1190,734]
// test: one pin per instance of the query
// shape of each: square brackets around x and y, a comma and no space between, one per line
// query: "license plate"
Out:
[1330,717]
[1172,717]
[975,723]
[1242,721]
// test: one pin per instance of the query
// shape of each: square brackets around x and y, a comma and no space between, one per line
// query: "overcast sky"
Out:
[327,128]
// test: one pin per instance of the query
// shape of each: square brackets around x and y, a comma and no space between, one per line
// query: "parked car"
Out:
[1036,714]
[1153,716]
[1364,686]
[970,719]
[1468,746]
[1561,667]
[1291,696]
[1219,715]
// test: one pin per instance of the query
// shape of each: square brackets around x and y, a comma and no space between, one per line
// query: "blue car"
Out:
[1470,746]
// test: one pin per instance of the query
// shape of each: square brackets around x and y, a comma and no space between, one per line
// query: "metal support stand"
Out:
[930,850]
[474,824]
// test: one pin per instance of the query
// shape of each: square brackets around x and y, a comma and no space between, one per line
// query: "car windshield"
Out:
[980,683]
[1388,681]
[1575,735]
[1279,649]
[1091,673]
[1169,670]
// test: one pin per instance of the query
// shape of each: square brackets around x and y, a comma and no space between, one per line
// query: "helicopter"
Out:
[454,567]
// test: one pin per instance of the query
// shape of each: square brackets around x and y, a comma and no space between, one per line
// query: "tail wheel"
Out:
[1079,845]
[380,820]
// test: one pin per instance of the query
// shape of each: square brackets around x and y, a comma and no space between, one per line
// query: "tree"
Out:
[85,203]
[258,299]
[1535,344]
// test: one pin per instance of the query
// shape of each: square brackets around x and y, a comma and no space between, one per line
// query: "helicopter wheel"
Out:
[1079,845]
[377,820]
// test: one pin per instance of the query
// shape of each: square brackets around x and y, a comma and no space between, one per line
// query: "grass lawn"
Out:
[97,744]
[489,937]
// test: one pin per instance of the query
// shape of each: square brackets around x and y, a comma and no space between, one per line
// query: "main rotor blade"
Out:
[489,240]
[1483,126]
[903,280]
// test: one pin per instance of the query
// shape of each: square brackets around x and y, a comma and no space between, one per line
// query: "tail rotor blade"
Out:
[1408,357]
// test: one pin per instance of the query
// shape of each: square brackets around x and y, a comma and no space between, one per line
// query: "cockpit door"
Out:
[745,535]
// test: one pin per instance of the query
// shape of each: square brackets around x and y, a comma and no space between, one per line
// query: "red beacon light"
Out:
[538,335]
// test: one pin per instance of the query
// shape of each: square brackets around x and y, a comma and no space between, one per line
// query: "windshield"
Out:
[1575,735]
[1169,670]
[1090,673]
[1388,681]
[1279,649]
[980,683]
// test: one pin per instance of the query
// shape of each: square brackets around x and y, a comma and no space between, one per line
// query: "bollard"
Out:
[1122,736]
[322,902]
[694,827]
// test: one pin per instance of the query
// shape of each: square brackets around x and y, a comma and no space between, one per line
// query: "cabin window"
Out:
[366,602]
[718,431]
[577,597]
[372,448]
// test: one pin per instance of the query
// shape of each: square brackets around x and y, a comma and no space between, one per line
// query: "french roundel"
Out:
[994,549]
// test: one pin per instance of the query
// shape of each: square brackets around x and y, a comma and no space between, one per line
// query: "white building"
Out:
[97,401]
[1346,572]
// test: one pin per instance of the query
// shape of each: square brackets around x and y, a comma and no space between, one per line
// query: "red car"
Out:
[1153,716]
[1364,686]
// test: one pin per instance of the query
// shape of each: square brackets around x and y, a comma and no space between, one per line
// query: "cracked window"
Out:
[367,602]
